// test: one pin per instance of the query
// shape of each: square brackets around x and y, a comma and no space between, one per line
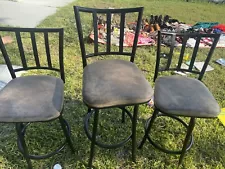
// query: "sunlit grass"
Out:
[209,147]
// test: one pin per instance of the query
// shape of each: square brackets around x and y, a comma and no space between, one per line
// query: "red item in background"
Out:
[7,39]
[220,26]
[144,40]
[129,39]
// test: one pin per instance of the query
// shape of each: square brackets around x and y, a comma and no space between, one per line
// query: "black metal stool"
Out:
[111,83]
[182,96]
[36,98]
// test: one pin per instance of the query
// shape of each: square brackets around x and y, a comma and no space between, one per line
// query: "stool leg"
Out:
[123,116]
[187,138]
[67,135]
[89,109]
[134,124]
[93,140]
[148,128]
[20,138]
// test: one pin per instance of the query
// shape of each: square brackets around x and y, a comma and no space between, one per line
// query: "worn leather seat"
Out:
[31,99]
[111,83]
[184,96]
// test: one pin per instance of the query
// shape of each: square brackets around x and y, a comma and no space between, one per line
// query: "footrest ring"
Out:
[89,135]
[163,149]
[46,155]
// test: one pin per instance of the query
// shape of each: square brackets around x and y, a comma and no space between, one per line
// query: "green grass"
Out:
[208,150]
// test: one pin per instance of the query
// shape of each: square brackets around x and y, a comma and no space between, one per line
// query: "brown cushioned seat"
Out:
[184,96]
[31,98]
[111,83]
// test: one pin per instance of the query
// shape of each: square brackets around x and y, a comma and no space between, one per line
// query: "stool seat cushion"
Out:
[31,99]
[110,83]
[184,96]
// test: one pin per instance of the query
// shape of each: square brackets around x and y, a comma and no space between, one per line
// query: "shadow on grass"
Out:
[45,137]
[208,149]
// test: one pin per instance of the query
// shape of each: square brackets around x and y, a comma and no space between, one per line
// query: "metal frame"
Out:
[185,37]
[20,127]
[95,111]
[32,32]
[89,135]
[92,137]
[188,142]
[108,12]
[148,127]
[21,130]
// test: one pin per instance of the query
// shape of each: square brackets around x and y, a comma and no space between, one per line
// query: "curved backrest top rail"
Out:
[184,37]
[22,54]
[108,13]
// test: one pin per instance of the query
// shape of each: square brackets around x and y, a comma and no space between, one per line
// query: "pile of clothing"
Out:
[208,27]
[129,32]
[154,23]
[200,27]
[166,23]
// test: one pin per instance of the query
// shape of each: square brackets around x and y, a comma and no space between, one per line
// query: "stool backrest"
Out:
[108,13]
[171,37]
[37,65]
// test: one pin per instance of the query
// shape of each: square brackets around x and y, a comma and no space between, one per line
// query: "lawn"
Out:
[208,150]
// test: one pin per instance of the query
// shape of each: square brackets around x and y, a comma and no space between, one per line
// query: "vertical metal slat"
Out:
[122,20]
[80,35]
[61,64]
[215,41]
[6,58]
[21,50]
[95,25]
[47,49]
[108,44]
[140,13]
[158,56]
[194,54]
[34,45]
[171,52]
[185,38]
